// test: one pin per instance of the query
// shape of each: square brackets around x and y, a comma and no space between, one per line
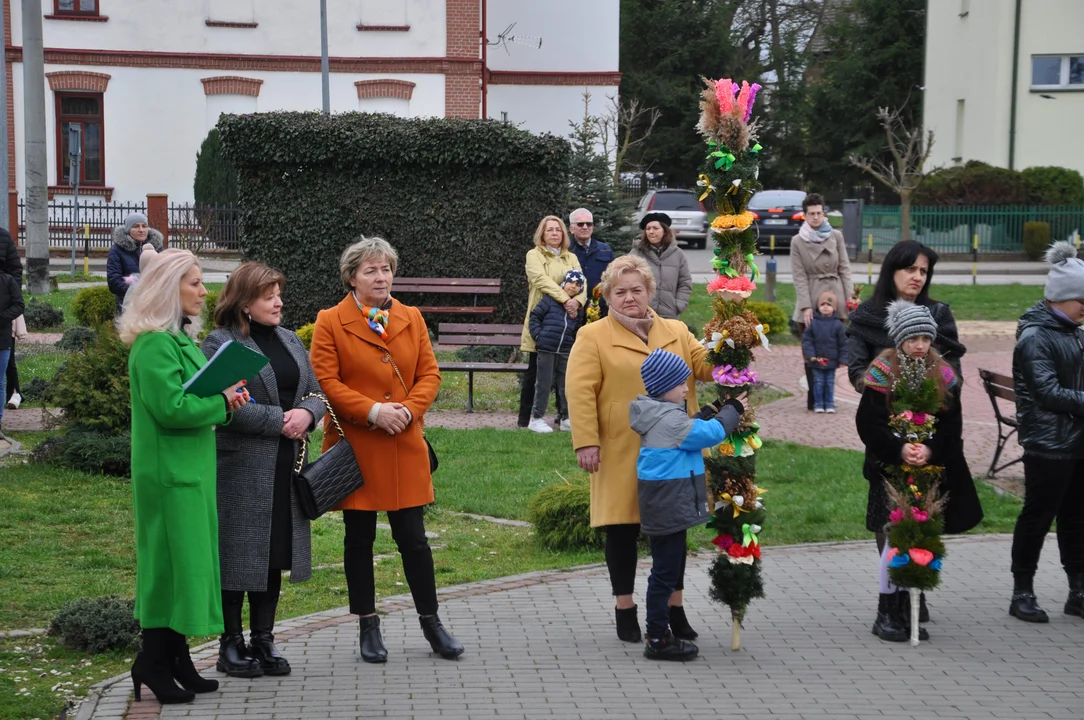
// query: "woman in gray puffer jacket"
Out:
[122,265]
[673,279]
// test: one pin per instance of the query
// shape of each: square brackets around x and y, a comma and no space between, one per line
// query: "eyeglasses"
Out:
[584,224]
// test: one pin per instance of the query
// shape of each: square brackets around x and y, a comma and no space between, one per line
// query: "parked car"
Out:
[778,213]
[688,218]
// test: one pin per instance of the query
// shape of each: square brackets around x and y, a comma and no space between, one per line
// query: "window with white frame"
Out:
[1054,72]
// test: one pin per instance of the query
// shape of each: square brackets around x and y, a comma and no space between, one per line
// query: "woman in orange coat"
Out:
[374,361]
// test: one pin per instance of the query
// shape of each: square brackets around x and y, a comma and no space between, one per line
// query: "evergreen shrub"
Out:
[1036,239]
[456,198]
[305,333]
[772,314]
[40,315]
[96,625]
[76,339]
[93,306]
[1053,186]
[94,391]
[561,515]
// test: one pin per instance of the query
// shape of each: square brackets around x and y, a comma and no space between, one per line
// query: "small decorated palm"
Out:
[730,177]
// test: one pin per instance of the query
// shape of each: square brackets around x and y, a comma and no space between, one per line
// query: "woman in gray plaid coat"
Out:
[260,530]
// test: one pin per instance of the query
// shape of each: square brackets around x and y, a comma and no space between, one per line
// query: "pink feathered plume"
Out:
[724,95]
[753,89]
[743,97]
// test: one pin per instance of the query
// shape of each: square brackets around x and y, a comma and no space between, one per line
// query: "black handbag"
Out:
[323,483]
[434,461]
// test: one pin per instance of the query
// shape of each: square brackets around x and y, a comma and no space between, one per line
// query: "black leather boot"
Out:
[679,624]
[262,606]
[903,615]
[152,668]
[1024,605]
[923,611]
[670,648]
[628,625]
[887,626]
[184,671]
[1075,604]
[233,657]
[440,639]
[372,644]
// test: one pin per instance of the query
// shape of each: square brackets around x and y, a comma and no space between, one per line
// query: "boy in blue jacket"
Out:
[672,486]
[554,331]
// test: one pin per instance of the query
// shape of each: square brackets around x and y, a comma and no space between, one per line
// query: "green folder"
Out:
[232,363]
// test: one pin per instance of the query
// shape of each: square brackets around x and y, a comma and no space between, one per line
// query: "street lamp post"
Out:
[75,155]
[324,79]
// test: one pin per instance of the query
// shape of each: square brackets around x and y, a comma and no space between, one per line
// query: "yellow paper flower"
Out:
[738,222]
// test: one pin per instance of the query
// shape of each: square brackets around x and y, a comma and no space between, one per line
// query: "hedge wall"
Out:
[457,198]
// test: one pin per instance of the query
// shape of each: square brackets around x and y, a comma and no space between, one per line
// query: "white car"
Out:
[688,218]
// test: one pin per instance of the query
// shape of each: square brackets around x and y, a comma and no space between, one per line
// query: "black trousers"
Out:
[527,393]
[621,556]
[1053,489]
[408,531]
[261,605]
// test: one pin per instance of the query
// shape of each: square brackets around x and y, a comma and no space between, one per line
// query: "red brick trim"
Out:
[516,77]
[230,24]
[463,90]
[383,28]
[402,89]
[79,18]
[9,80]
[83,190]
[67,80]
[231,85]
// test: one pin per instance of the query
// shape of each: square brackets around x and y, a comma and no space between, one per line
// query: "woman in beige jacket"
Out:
[546,265]
[673,279]
[603,378]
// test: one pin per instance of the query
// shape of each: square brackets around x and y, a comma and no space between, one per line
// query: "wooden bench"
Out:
[479,334]
[454,286]
[1000,386]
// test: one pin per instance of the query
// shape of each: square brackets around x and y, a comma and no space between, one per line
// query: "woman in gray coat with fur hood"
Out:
[122,266]
[261,532]
[673,279]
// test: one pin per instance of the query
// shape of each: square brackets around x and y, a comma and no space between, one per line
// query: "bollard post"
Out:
[975,260]
[769,287]
[869,268]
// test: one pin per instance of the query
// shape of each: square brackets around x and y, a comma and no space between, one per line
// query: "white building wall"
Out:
[577,35]
[545,108]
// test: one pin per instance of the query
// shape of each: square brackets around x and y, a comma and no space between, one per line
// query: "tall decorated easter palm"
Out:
[730,177]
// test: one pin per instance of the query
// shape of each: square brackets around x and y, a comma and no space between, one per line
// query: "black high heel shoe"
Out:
[152,668]
[184,671]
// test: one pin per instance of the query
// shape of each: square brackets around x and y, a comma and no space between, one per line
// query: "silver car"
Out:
[688,218]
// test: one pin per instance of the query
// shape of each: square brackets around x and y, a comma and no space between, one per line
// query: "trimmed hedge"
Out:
[457,198]
[1036,239]
[1053,186]
[93,306]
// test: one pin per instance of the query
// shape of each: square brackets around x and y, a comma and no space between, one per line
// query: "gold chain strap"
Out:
[301,456]
[396,369]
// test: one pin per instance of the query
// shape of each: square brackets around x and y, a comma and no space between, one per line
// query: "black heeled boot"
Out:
[1024,604]
[152,668]
[439,638]
[184,671]
[679,624]
[261,607]
[887,626]
[233,657]
[628,625]
[904,615]
[1075,604]
[372,644]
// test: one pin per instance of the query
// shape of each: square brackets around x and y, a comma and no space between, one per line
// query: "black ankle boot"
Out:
[184,671]
[670,648]
[1024,605]
[923,611]
[1075,604]
[887,626]
[372,644]
[440,639]
[628,625]
[679,624]
[234,658]
[261,607]
[903,615]
[152,668]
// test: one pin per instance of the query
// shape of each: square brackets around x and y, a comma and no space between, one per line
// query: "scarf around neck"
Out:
[815,236]
[637,326]
[376,317]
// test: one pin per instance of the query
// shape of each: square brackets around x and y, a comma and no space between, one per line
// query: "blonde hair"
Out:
[540,231]
[154,302]
[623,265]
[365,249]
[247,284]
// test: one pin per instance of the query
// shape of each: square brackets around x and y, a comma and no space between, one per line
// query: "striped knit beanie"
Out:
[663,371]
[907,320]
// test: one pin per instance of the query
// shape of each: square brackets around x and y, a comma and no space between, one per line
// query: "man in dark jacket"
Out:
[122,266]
[594,255]
[553,331]
[1048,376]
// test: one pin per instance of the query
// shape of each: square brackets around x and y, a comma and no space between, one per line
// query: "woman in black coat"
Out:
[122,265]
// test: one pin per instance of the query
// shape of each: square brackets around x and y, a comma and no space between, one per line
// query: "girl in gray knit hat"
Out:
[912,330]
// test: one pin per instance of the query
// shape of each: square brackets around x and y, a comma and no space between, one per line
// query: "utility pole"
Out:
[37,202]
[4,179]
[324,71]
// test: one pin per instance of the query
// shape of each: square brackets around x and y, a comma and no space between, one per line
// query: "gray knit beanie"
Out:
[132,219]
[1066,279]
[907,320]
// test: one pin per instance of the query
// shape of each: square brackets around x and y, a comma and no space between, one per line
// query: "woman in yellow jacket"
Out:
[603,378]
[547,263]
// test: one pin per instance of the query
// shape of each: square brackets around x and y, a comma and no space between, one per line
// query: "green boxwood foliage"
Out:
[561,515]
[1053,186]
[76,339]
[93,388]
[40,315]
[772,314]
[216,180]
[973,183]
[305,333]
[1036,239]
[93,306]
[97,624]
[457,198]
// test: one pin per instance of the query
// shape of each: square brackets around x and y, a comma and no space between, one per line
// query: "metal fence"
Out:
[634,188]
[205,228]
[1000,228]
[100,218]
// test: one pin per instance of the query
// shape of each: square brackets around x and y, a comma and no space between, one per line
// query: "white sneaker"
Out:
[829,410]
[539,425]
[566,425]
[819,410]
[15,400]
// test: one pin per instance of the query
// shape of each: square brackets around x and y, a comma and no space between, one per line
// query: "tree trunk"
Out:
[37,201]
[905,215]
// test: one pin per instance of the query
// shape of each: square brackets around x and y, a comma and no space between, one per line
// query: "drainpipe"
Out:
[1015,74]
[485,69]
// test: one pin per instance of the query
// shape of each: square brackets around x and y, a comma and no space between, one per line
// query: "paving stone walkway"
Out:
[544,646]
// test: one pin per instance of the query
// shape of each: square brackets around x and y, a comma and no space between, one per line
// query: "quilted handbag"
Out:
[323,483]
[434,461]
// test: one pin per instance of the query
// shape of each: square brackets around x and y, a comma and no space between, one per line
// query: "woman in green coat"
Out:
[173,474]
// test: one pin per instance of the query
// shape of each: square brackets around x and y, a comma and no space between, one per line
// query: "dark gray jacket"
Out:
[247,450]
[670,467]
[825,337]
[1048,377]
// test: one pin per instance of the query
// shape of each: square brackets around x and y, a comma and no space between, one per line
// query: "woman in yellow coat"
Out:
[547,263]
[373,359]
[603,378]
